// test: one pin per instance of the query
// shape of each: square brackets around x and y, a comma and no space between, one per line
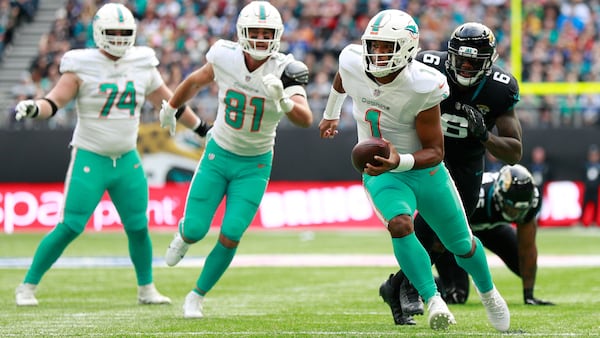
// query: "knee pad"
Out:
[68,231]
[400,226]
[72,225]
[135,222]
[142,232]
[464,247]
[192,230]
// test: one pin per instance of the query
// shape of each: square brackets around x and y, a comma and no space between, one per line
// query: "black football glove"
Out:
[477,126]
[530,300]
[202,129]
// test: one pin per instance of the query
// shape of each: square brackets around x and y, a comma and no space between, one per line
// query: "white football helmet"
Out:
[114,17]
[259,14]
[394,26]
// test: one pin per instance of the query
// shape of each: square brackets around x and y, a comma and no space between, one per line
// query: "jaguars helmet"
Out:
[259,14]
[393,26]
[471,53]
[514,192]
[110,18]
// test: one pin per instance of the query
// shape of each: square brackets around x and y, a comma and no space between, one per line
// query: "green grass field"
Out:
[282,301]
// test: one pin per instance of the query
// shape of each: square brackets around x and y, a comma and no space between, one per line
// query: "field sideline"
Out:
[292,260]
[284,284]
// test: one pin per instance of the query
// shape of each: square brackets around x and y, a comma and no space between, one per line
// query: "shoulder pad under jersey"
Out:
[295,73]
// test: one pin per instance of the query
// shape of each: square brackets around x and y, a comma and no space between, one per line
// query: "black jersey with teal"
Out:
[493,96]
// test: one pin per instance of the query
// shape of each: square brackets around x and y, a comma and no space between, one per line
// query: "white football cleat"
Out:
[496,308]
[147,294]
[440,317]
[25,295]
[176,250]
[192,306]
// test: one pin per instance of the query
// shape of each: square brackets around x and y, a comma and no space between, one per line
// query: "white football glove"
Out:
[274,91]
[167,117]
[26,108]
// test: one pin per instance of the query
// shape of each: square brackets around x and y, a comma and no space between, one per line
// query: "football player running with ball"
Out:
[482,96]
[109,85]
[398,99]
[506,197]
[258,86]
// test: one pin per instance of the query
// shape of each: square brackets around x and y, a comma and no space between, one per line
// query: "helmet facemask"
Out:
[471,54]
[399,30]
[382,64]
[114,29]
[259,14]
[514,192]
[255,47]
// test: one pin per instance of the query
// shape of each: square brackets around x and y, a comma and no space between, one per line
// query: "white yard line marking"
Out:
[291,260]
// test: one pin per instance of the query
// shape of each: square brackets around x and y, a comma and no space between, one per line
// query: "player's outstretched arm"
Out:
[63,92]
[528,254]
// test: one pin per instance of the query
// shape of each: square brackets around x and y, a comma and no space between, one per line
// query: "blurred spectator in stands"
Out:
[590,213]
[12,14]
[560,38]
[25,87]
[590,104]
[539,167]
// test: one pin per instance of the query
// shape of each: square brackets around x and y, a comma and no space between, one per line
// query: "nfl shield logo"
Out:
[376,92]
[248,78]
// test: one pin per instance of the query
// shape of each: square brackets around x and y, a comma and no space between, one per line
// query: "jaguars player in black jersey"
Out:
[507,197]
[482,97]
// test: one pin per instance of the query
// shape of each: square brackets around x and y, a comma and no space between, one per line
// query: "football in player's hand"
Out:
[365,151]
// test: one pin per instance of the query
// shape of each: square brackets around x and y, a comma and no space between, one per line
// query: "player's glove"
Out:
[167,117]
[477,125]
[274,91]
[202,129]
[530,300]
[26,108]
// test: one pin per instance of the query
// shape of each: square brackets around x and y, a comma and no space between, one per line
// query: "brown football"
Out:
[365,151]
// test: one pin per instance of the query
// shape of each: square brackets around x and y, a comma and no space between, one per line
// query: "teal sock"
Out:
[477,267]
[214,266]
[415,263]
[140,252]
[48,252]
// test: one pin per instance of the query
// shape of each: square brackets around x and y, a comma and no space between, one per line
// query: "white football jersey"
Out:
[246,120]
[389,110]
[110,97]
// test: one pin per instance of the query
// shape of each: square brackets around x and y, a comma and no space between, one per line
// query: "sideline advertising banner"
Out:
[286,204]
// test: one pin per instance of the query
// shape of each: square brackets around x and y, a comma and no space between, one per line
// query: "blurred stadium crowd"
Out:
[560,43]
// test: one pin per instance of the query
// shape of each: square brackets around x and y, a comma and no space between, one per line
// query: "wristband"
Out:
[287,104]
[407,162]
[52,104]
[333,109]
[179,111]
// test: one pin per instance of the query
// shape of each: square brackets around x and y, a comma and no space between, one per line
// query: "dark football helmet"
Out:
[514,192]
[471,53]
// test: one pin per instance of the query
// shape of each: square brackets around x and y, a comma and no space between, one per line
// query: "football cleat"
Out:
[25,295]
[176,250]
[192,306]
[391,297]
[455,296]
[440,317]
[411,302]
[496,308]
[147,294]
